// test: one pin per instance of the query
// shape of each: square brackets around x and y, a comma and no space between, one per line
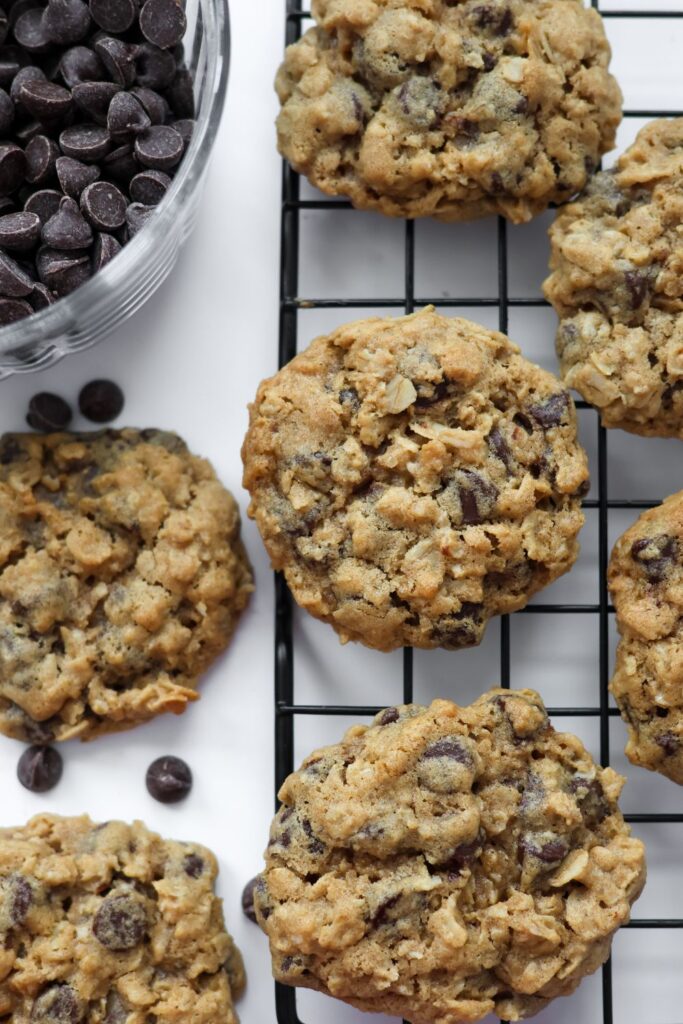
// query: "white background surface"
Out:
[191,360]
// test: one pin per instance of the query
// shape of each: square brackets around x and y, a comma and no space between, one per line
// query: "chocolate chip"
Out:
[58,1004]
[163,22]
[14,282]
[41,156]
[499,448]
[81,64]
[552,411]
[94,99]
[12,168]
[20,899]
[478,497]
[44,203]
[19,231]
[66,21]
[104,205]
[248,899]
[118,58]
[13,310]
[62,271]
[156,106]
[127,116]
[669,742]
[591,799]
[462,857]
[40,769]
[169,779]
[137,216]
[113,15]
[160,147]
[30,32]
[86,142]
[449,747]
[544,846]
[656,555]
[48,412]
[185,128]
[180,94]
[68,229]
[156,69]
[41,297]
[74,176]
[46,101]
[102,401]
[116,1011]
[105,249]
[120,923]
[638,286]
[193,865]
[380,916]
[149,187]
[533,794]
[388,716]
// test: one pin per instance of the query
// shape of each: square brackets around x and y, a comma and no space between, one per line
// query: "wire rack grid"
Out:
[291,302]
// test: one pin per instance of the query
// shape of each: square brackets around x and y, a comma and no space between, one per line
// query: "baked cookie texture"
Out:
[448,862]
[110,924]
[617,286]
[413,477]
[646,581]
[122,577]
[449,108]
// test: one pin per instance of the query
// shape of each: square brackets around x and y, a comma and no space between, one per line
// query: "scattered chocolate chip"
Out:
[193,865]
[544,846]
[58,1004]
[450,747]
[499,448]
[48,412]
[388,716]
[20,898]
[120,923]
[248,899]
[638,286]
[40,769]
[101,401]
[169,779]
[656,555]
[552,411]
[478,497]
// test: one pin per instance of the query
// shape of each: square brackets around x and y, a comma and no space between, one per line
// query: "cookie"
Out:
[111,924]
[449,108]
[646,581]
[448,862]
[617,286]
[122,577]
[413,477]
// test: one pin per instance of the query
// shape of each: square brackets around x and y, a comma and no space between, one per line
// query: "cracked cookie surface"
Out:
[448,862]
[110,924]
[449,109]
[646,581]
[122,576]
[414,477]
[617,286]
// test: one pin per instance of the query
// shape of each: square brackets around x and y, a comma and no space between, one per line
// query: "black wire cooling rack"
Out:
[286,709]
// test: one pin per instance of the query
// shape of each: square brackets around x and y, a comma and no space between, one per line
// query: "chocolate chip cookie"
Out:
[449,108]
[110,924]
[413,477]
[122,577]
[617,286]
[646,581]
[446,862]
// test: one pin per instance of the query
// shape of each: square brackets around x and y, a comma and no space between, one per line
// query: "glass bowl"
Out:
[112,296]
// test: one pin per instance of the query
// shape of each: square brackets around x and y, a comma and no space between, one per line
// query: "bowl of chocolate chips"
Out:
[108,114]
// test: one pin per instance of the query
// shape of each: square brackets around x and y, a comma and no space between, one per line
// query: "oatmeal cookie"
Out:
[448,862]
[413,477]
[449,108]
[646,582]
[617,286]
[122,577]
[110,924]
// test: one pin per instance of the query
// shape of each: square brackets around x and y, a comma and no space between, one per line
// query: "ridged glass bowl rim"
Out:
[43,329]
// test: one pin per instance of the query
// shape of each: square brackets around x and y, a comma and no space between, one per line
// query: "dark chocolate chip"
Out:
[478,497]
[552,411]
[14,281]
[30,32]
[81,64]
[19,231]
[94,98]
[544,846]
[66,21]
[169,779]
[180,94]
[185,128]
[380,916]
[104,250]
[149,187]
[388,716]
[113,15]
[248,899]
[48,412]
[126,116]
[669,742]
[193,866]
[68,229]
[499,448]
[13,310]
[160,147]
[74,176]
[656,555]
[120,923]
[62,271]
[86,142]
[41,297]
[115,1009]
[12,168]
[137,216]
[156,106]
[40,769]
[20,898]
[638,286]
[118,58]
[120,164]
[156,69]
[44,203]
[101,401]
[6,113]
[58,1004]
[104,205]
[46,101]
[449,747]
[41,156]
[163,22]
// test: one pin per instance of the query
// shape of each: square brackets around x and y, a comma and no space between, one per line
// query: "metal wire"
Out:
[286,709]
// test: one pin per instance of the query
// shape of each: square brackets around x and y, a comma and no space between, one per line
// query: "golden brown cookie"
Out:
[122,576]
[449,108]
[414,477]
[448,862]
[617,286]
[110,924]
[646,582]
